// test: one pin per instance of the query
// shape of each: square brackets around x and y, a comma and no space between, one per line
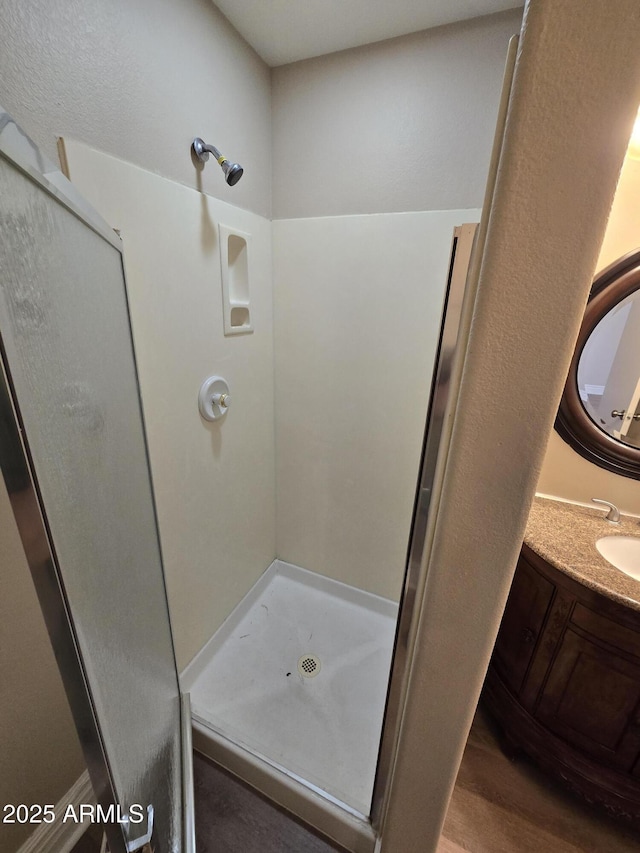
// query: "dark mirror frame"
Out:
[574,425]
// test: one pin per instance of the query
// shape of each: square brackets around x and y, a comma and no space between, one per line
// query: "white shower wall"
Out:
[214,483]
[357,305]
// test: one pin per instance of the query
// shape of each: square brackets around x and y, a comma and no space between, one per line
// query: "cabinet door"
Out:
[592,700]
[523,618]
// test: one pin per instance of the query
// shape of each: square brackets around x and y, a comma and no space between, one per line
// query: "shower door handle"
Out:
[139,843]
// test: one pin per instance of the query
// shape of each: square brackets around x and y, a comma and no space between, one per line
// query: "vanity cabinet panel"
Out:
[529,600]
[591,699]
[564,684]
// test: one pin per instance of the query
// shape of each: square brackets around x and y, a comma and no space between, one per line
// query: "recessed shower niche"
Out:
[234,265]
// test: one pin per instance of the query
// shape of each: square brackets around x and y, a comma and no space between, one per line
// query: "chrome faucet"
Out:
[613,516]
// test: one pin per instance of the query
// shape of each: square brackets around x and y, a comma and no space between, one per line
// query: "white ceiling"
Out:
[283,31]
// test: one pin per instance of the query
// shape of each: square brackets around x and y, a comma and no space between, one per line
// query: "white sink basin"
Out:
[623,552]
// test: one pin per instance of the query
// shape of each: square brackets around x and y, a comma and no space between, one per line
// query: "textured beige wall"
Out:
[576,91]
[140,80]
[401,125]
[565,474]
[40,755]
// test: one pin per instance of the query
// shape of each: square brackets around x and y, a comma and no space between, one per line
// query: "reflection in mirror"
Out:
[609,372]
[599,414]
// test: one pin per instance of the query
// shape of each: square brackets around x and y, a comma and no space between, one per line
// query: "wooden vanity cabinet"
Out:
[564,684]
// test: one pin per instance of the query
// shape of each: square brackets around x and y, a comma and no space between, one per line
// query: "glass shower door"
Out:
[74,459]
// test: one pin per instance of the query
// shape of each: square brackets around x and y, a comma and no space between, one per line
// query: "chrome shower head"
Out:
[232,171]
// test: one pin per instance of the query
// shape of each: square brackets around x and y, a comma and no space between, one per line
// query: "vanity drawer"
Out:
[612,633]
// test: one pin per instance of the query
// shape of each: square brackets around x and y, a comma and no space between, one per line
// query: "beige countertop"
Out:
[565,535]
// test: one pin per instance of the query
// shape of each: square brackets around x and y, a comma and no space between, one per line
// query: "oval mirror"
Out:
[599,415]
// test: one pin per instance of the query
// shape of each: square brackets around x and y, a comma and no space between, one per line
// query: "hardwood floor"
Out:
[232,818]
[504,806]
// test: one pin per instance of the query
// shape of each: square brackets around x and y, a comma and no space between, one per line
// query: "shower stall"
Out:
[277,532]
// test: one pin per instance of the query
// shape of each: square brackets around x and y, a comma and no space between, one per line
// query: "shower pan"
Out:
[291,692]
[298,675]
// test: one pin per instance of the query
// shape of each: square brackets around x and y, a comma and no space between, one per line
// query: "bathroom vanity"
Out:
[564,680]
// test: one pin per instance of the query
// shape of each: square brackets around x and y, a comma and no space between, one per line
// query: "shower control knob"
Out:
[222,400]
[214,398]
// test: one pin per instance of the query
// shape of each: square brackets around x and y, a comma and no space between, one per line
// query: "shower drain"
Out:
[309,666]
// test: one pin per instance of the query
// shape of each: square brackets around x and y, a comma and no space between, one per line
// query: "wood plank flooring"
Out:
[504,806]
[232,818]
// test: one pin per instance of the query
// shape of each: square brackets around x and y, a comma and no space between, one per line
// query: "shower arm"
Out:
[202,151]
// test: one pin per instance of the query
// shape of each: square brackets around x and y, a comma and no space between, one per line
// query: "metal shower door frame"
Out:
[18,472]
[440,411]
[466,257]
